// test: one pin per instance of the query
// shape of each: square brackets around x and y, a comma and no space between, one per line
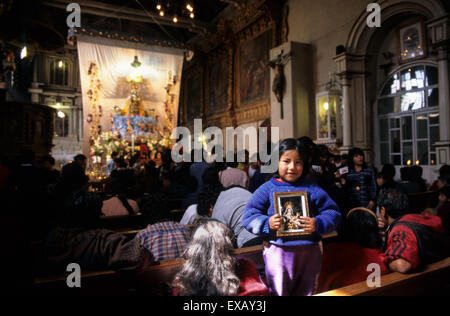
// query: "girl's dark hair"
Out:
[351,154]
[293,144]
[361,227]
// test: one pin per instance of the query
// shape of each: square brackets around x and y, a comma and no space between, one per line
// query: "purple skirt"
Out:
[292,270]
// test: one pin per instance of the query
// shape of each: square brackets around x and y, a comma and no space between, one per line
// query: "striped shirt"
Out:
[402,241]
[166,240]
[361,187]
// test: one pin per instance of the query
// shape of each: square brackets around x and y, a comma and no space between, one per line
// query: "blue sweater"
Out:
[261,207]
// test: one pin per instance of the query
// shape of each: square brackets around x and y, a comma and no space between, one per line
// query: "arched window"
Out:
[408,116]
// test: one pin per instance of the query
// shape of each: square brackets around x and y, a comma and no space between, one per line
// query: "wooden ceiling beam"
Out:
[114,11]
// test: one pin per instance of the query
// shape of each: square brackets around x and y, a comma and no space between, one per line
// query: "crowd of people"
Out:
[226,206]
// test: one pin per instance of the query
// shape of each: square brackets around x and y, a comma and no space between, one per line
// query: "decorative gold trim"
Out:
[257,112]
[281,232]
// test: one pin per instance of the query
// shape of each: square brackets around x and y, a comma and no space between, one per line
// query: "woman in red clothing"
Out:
[348,262]
[211,268]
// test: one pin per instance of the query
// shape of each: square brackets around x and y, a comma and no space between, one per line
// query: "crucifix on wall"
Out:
[279,81]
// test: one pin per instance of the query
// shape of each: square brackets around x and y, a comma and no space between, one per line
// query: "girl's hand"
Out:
[309,224]
[275,222]
[382,223]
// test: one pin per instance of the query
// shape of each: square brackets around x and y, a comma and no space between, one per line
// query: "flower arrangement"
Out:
[108,142]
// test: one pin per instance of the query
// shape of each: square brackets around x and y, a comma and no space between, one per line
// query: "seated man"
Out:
[120,204]
[233,176]
[76,238]
[410,239]
[227,206]
[164,239]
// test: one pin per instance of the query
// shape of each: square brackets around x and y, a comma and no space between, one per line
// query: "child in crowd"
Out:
[211,269]
[292,264]
[360,182]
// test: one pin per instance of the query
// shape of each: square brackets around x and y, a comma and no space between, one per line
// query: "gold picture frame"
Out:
[291,206]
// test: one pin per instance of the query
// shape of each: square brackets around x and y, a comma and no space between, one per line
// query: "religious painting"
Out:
[193,96]
[412,42]
[253,71]
[291,206]
[219,72]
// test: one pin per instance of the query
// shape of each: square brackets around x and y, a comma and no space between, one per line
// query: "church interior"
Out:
[348,99]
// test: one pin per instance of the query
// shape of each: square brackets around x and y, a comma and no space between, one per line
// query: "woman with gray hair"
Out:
[211,269]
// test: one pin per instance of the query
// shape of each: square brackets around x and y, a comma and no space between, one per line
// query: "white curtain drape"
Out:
[114,60]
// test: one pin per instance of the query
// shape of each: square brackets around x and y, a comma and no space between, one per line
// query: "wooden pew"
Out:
[153,281]
[434,280]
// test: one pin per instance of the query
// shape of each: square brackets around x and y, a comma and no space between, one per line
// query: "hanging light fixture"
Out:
[24,53]
[136,63]
[176,9]
[60,64]
[61,114]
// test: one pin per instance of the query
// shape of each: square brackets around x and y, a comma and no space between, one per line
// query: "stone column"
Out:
[347,118]
[439,30]
[298,98]
[35,91]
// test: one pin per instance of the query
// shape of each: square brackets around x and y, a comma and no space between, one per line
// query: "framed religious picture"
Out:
[193,94]
[253,74]
[218,85]
[412,41]
[291,206]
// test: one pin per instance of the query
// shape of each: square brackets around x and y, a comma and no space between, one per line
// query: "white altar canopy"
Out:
[114,59]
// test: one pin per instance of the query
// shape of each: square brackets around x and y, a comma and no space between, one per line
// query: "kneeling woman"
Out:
[211,269]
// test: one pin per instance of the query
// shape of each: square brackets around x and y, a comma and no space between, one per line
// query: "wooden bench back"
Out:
[153,280]
[434,279]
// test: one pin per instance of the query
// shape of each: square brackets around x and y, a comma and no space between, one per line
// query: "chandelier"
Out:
[175,9]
